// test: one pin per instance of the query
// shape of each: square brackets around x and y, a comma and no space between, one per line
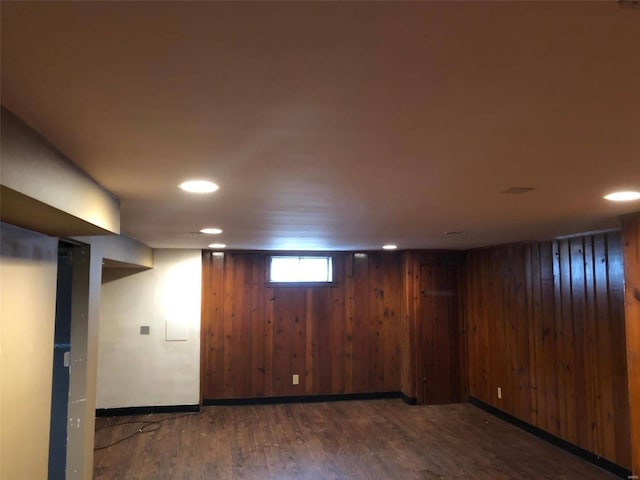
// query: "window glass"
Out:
[300,269]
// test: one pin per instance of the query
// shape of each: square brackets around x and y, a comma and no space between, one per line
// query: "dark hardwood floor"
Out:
[378,439]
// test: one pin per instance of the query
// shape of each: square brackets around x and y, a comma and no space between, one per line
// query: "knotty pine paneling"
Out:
[433,345]
[631,247]
[545,322]
[442,335]
[342,338]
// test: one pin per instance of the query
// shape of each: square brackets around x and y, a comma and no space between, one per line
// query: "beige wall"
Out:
[162,368]
[46,192]
[28,272]
[35,169]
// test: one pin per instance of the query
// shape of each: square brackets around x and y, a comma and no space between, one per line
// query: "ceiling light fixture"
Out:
[211,231]
[623,196]
[389,247]
[198,186]
[217,245]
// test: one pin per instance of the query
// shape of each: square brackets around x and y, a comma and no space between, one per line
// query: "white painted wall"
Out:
[148,370]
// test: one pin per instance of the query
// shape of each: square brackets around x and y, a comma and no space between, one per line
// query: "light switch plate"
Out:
[144,330]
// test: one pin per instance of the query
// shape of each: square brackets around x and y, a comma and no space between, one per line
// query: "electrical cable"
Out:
[148,426]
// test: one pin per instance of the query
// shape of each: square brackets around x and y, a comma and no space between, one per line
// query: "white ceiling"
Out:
[338,126]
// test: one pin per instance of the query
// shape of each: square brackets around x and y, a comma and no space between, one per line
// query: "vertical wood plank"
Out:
[568,341]
[590,360]
[269,335]
[337,320]
[630,329]
[549,338]
[536,370]
[228,381]
[578,314]
[362,362]
[631,242]
[521,317]
[257,325]
[561,365]
[607,428]
[546,323]
[312,366]
[349,324]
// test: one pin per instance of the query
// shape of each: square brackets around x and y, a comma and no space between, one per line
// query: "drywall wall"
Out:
[120,251]
[86,289]
[28,273]
[144,370]
[36,170]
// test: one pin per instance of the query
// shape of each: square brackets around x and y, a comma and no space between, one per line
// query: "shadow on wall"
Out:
[111,274]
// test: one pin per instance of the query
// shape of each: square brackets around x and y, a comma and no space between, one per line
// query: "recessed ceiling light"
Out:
[217,245]
[389,247]
[623,196]
[198,186]
[211,231]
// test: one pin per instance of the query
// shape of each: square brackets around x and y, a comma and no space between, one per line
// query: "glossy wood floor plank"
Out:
[381,439]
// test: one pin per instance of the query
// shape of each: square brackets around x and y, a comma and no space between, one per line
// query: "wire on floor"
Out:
[148,426]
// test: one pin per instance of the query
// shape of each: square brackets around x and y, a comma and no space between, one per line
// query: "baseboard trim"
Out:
[302,399]
[126,411]
[558,442]
[408,400]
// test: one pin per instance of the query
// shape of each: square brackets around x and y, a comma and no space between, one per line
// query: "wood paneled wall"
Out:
[631,248]
[545,322]
[433,308]
[340,339]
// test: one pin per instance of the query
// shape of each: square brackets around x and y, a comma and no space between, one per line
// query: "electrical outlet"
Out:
[144,330]
[295,380]
[499,393]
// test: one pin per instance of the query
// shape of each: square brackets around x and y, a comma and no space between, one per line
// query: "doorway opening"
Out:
[61,353]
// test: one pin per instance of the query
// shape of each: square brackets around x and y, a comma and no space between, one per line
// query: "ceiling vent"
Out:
[517,190]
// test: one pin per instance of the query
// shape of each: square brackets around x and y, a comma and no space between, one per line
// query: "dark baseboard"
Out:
[303,399]
[558,442]
[120,412]
[408,400]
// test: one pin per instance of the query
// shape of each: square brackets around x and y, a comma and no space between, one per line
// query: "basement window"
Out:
[300,269]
